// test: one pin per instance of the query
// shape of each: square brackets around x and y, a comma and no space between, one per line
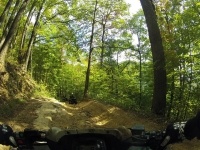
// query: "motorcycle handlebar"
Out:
[28,138]
[156,140]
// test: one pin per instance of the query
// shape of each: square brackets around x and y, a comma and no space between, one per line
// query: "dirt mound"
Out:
[88,114]
[15,84]
[45,113]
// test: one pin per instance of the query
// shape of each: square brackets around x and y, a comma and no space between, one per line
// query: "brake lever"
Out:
[12,140]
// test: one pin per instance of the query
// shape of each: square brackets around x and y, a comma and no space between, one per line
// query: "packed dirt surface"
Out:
[45,113]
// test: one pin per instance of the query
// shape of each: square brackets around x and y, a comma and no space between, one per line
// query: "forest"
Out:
[97,49]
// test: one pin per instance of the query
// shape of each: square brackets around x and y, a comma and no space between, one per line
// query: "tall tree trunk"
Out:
[190,82]
[28,52]
[87,78]
[4,13]
[11,32]
[171,48]
[172,90]
[160,79]
[140,69]
[103,41]
[9,23]
[182,78]
[22,43]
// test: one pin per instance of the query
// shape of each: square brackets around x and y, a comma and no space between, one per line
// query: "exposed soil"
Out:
[45,113]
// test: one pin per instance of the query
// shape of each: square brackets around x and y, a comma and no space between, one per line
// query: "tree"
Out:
[23,42]
[33,35]
[160,79]
[85,95]
[106,16]
[179,28]
[4,47]
[5,12]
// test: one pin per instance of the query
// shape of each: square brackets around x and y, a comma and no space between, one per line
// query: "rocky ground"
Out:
[45,113]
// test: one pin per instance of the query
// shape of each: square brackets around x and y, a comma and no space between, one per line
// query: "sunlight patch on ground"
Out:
[49,110]
[71,114]
[111,110]
[49,117]
[98,120]
[73,107]
[100,117]
[102,122]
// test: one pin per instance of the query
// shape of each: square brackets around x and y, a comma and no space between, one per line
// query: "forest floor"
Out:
[45,113]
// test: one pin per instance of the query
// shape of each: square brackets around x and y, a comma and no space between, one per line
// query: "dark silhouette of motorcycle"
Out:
[72,99]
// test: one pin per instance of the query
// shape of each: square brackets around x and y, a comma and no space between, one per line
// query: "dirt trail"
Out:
[45,113]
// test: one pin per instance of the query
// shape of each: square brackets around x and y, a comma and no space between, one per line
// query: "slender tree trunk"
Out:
[189,96]
[171,48]
[22,43]
[182,79]
[5,12]
[160,79]
[172,89]
[28,52]
[87,79]
[11,32]
[112,82]
[9,23]
[102,42]
[140,70]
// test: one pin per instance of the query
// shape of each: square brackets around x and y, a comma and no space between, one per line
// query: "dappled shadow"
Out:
[24,116]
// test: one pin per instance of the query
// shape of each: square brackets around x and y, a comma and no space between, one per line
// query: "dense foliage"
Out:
[97,49]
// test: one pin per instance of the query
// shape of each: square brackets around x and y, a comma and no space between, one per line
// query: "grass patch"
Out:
[41,91]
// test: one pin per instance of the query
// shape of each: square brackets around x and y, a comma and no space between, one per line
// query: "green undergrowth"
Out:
[41,91]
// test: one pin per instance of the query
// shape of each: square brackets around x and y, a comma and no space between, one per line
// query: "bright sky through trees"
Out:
[135,5]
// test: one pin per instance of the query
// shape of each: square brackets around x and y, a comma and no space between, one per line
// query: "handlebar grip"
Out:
[165,141]
[27,138]
[5,133]
[33,134]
